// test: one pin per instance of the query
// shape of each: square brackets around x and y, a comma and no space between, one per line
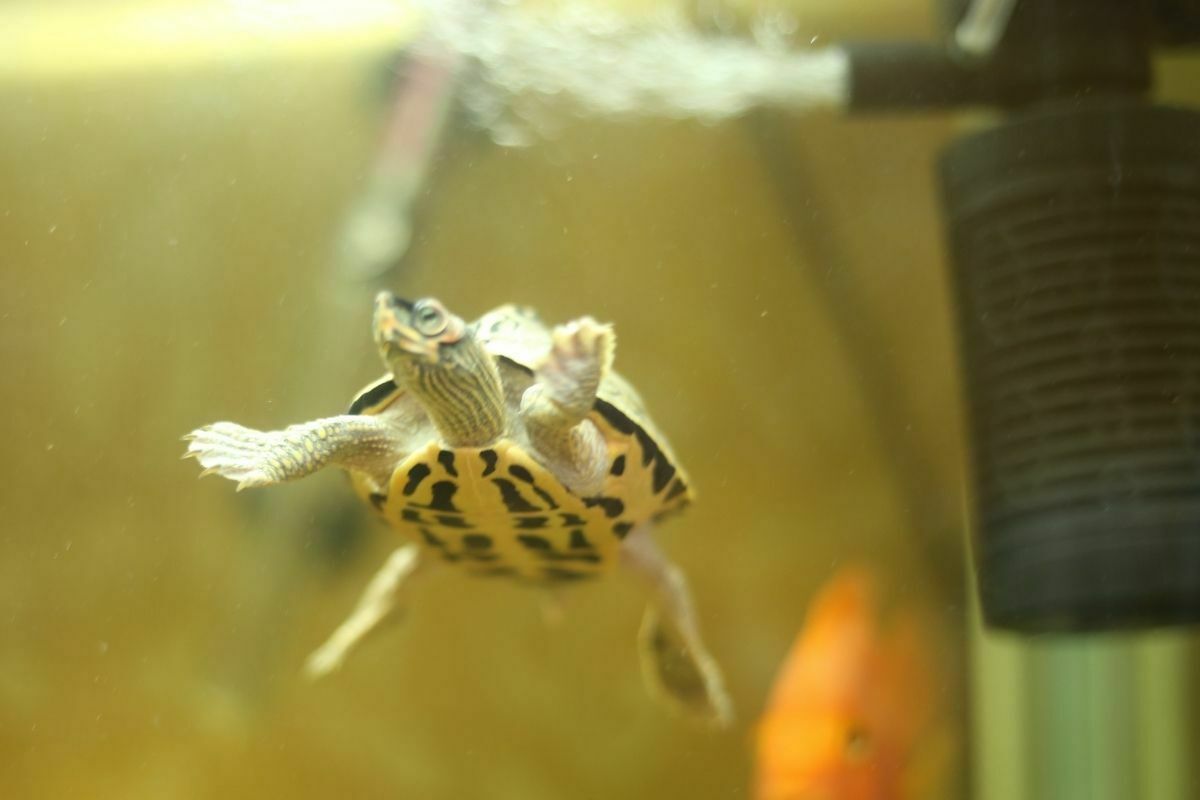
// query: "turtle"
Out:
[510,451]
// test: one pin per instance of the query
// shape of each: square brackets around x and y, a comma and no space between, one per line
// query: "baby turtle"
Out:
[507,450]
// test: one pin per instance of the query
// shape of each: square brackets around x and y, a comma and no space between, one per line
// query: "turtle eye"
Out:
[428,319]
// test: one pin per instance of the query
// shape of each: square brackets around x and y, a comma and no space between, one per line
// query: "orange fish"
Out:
[854,702]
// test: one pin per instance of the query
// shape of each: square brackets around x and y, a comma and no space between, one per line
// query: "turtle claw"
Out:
[252,482]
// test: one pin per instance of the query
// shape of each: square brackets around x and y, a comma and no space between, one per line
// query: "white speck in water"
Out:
[764,313]
[62,322]
[102,647]
[52,228]
[49,446]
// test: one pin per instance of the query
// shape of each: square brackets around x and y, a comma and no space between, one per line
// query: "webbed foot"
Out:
[250,457]
[684,675]
[261,458]
[580,353]
[675,662]
[554,407]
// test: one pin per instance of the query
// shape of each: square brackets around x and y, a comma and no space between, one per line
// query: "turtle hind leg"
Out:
[678,674]
[262,458]
[555,407]
[380,602]
[675,662]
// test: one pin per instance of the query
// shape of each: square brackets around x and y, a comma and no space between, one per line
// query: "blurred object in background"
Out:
[379,229]
[856,709]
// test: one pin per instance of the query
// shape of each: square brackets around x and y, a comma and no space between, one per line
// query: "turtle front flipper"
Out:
[675,661]
[581,352]
[262,458]
[554,408]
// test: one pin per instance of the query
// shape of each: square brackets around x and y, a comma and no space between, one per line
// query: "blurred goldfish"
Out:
[854,714]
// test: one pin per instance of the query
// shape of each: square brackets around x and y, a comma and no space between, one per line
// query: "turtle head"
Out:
[416,334]
[434,355]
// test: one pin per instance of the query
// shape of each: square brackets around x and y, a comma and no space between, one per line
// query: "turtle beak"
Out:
[394,331]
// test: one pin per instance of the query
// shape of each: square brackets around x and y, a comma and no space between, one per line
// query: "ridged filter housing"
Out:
[1075,243]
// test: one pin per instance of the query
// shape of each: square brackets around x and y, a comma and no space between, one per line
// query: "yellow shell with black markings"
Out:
[499,510]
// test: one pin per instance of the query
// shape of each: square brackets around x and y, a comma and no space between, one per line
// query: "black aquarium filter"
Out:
[1075,238]
[1074,227]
